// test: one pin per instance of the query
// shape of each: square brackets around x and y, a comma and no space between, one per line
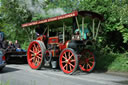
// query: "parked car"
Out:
[2,60]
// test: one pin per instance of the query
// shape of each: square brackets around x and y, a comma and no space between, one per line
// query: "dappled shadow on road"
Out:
[50,69]
[8,69]
[123,82]
[78,72]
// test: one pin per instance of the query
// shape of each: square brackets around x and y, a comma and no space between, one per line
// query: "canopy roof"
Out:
[66,16]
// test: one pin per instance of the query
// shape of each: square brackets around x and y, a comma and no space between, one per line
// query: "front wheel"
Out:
[68,61]
[87,61]
[35,54]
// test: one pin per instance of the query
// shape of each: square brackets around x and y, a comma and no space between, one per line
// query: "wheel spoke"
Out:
[91,62]
[63,61]
[38,51]
[65,66]
[65,55]
[38,48]
[40,54]
[70,56]
[32,58]
[83,65]
[64,58]
[34,46]
[31,51]
[73,61]
[36,61]
[89,65]
[39,57]
[90,58]
[71,65]
[32,55]
[68,53]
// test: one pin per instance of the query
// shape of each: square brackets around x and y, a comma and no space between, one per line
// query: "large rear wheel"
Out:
[35,54]
[86,61]
[68,61]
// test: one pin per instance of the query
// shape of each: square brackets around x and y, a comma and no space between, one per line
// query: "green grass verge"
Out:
[108,61]
[5,83]
[120,63]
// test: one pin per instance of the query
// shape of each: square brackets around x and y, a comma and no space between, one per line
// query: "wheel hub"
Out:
[66,61]
[87,60]
[35,54]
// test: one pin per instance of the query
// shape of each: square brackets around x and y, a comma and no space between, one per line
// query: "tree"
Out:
[16,12]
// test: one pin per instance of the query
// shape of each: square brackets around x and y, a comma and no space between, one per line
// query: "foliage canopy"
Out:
[13,13]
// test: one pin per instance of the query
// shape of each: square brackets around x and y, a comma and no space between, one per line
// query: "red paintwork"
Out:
[63,46]
[53,40]
[87,63]
[3,58]
[55,53]
[75,13]
[41,38]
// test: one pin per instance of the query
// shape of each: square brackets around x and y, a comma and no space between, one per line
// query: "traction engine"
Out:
[68,53]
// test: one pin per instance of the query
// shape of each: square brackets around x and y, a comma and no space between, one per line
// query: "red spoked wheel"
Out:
[87,61]
[35,54]
[68,61]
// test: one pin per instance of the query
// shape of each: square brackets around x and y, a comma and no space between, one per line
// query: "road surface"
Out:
[23,75]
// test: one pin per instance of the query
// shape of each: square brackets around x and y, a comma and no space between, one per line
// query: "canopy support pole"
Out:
[78,25]
[83,27]
[45,30]
[97,29]
[48,31]
[63,33]
[93,31]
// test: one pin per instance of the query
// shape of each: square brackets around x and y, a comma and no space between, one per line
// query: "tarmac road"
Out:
[24,75]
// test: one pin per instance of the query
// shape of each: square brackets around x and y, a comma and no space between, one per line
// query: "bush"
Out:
[25,45]
[106,60]
[120,63]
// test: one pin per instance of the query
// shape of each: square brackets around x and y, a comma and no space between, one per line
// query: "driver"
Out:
[83,35]
[76,36]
